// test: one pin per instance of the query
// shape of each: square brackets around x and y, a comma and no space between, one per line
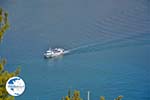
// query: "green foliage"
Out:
[4,24]
[119,97]
[76,96]
[5,75]
[1,17]
[67,98]
[102,98]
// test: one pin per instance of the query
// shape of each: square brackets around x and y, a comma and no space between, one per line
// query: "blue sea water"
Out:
[109,42]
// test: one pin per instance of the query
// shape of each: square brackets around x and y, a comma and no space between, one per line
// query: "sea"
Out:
[108,40]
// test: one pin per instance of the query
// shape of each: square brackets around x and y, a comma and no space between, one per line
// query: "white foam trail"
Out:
[115,41]
[67,51]
[84,46]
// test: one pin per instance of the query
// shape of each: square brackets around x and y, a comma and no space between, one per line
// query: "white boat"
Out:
[51,53]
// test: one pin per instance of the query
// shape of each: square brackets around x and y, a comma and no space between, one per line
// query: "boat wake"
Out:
[66,51]
[135,40]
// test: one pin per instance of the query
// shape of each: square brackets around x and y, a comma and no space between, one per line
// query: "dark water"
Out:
[109,42]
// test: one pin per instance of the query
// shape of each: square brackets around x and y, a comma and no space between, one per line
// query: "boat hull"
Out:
[53,56]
